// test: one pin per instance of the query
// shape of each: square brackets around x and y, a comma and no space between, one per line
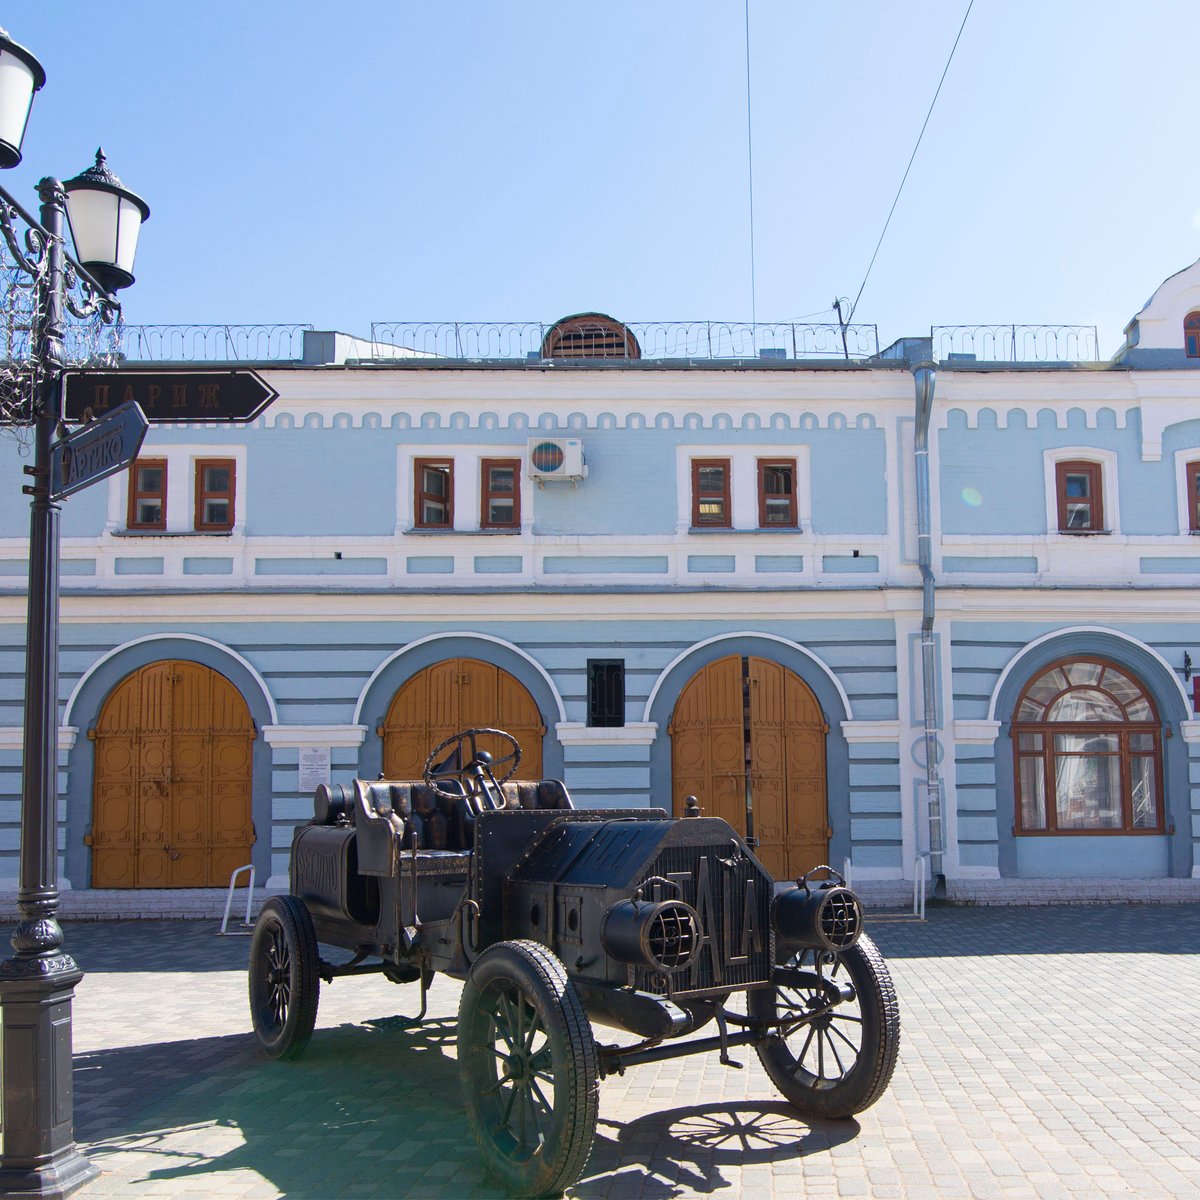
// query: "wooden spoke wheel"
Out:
[284,977]
[840,1062]
[528,1065]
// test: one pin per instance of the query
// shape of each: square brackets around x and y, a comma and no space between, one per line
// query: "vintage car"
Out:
[557,918]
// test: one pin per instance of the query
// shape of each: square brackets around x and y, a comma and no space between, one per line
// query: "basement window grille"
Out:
[606,692]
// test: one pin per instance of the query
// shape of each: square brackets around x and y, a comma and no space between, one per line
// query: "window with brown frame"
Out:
[148,494]
[1088,752]
[433,499]
[214,494]
[1193,492]
[1191,334]
[500,493]
[1080,492]
[710,493]
[777,493]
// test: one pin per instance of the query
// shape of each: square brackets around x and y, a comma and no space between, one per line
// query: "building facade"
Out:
[918,617]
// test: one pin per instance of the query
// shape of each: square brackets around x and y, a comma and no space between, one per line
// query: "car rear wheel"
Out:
[284,977]
[528,1065]
[840,1062]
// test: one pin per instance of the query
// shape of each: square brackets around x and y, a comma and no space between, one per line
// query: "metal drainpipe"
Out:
[924,377]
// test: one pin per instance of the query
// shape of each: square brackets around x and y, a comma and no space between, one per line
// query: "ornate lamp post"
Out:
[38,1155]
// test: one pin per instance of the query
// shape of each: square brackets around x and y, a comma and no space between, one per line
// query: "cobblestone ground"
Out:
[1047,1053]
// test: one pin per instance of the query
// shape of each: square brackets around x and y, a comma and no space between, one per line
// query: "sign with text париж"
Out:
[96,451]
[169,395]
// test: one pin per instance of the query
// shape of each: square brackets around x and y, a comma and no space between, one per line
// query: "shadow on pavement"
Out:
[376,1110]
[112,946]
[1055,929]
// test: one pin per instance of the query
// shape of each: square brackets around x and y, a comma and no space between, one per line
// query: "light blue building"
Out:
[929,612]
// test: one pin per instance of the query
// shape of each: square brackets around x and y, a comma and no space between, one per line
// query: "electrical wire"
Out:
[912,157]
[750,161]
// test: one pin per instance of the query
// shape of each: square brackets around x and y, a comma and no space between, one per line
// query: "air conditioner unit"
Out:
[556,458]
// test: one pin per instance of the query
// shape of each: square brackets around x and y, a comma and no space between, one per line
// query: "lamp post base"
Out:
[52,1180]
[39,1156]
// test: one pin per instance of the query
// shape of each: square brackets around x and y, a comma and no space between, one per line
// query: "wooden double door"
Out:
[748,736]
[172,796]
[458,694]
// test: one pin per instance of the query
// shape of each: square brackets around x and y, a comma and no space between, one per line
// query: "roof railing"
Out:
[1016,343]
[653,340]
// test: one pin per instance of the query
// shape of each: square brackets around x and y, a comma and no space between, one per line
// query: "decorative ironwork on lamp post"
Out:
[38,1155]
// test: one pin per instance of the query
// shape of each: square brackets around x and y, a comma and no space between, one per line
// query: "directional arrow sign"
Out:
[170,395]
[96,451]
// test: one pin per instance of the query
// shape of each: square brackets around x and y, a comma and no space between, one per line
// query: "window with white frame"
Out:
[179,490]
[1081,491]
[751,488]
[462,488]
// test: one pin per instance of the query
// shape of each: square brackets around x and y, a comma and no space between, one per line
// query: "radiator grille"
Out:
[733,898]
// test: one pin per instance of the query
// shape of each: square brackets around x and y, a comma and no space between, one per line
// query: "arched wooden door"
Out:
[457,694]
[172,799]
[745,724]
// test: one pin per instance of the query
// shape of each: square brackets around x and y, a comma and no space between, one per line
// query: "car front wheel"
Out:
[528,1065]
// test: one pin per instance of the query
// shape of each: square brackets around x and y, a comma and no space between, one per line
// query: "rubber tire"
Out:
[868,1078]
[284,921]
[532,970]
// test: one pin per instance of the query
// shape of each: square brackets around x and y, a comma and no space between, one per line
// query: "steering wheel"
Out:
[475,770]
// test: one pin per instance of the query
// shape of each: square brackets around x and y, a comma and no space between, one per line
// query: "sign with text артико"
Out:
[96,451]
[165,396]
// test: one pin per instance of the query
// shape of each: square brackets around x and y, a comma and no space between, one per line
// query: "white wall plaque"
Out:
[314,767]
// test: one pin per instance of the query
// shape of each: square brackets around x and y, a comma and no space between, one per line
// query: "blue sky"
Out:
[376,161]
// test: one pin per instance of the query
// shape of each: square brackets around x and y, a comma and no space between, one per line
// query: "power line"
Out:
[936,94]
[750,159]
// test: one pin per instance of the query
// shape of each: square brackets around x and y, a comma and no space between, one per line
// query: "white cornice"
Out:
[314,735]
[871,731]
[12,737]
[636,733]
[983,733]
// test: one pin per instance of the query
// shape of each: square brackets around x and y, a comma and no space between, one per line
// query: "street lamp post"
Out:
[38,1154]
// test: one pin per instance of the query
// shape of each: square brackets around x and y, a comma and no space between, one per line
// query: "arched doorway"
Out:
[459,693]
[747,732]
[172,794]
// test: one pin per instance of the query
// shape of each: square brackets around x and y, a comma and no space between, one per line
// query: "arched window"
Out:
[1191,334]
[1088,752]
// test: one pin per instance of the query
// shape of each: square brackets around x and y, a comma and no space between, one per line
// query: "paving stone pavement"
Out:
[1047,1054]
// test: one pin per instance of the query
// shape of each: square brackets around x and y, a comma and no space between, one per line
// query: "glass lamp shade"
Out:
[105,219]
[20,76]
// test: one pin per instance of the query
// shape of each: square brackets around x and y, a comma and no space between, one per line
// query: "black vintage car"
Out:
[557,918]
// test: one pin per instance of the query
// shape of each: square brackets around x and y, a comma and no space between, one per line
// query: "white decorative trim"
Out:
[174,637]
[1190,731]
[742,634]
[983,733]
[871,731]
[469,635]
[1068,629]
[12,737]
[314,735]
[576,733]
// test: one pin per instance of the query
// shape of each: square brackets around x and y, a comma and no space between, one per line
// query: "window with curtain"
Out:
[1088,750]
